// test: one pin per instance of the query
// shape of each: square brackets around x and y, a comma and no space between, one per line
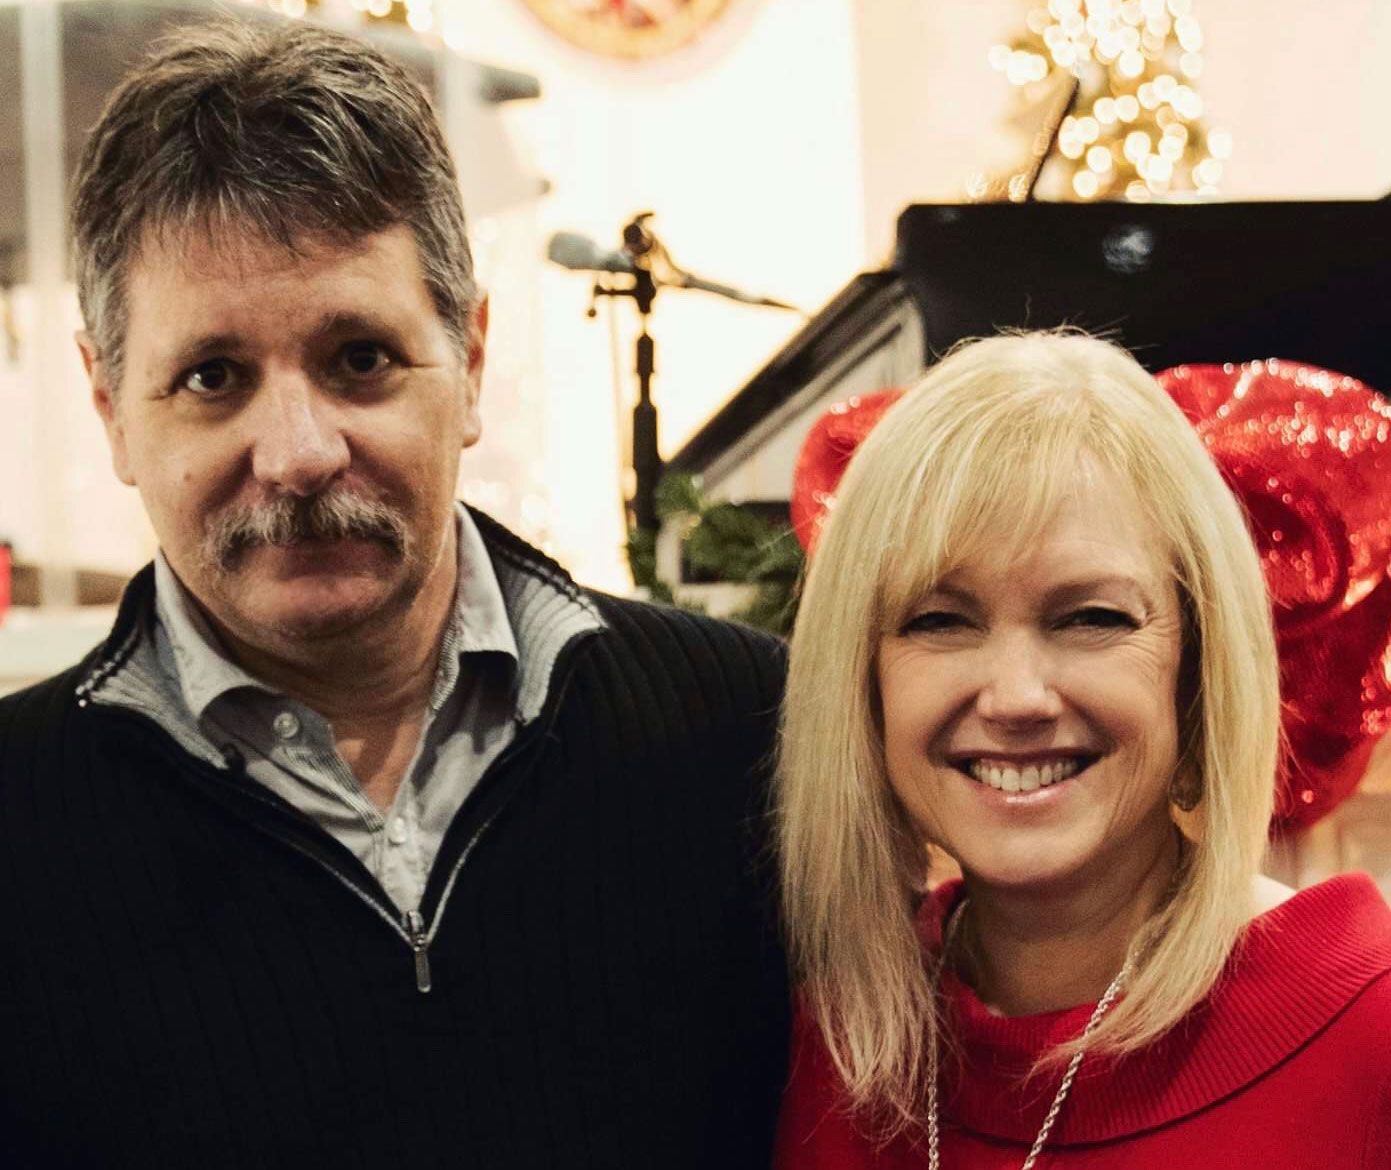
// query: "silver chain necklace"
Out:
[1102,1007]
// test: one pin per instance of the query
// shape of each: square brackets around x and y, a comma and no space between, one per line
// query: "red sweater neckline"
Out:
[1295,970]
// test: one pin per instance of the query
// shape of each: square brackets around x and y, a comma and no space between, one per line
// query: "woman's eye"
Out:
[935,621]
[209,378]
[1099,617]
[364,358]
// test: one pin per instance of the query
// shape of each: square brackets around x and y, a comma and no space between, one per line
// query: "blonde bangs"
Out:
[971,506]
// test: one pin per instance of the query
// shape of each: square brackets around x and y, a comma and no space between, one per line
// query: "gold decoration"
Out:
[628,28]
[1135,130]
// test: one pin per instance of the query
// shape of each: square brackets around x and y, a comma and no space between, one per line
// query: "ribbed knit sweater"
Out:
[197,976]
[1286,1066]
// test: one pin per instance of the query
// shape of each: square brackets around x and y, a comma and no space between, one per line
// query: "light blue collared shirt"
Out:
[472,716]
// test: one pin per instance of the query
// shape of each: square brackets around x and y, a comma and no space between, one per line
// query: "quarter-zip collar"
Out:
[545,608]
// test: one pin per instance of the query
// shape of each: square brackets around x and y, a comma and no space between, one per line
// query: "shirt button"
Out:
[286,725]
[396,831]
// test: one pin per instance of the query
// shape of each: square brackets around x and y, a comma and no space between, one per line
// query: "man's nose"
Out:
[1017,685]
[298,447]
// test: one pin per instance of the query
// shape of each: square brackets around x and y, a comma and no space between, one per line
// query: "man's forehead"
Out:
[237,249]
[193,294]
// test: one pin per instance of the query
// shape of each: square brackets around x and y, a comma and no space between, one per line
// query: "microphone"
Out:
[580,253]
[497,85]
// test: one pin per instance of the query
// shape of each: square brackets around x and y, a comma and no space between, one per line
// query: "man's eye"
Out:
[209,378]
[935,621]
[1099,617]
[364,358]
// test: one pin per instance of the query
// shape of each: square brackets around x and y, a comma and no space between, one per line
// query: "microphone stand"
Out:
[647,461]
[646,260]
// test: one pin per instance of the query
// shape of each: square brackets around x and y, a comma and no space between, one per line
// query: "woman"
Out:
[1035,635]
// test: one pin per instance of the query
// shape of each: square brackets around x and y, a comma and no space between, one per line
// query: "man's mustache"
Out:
[331,515]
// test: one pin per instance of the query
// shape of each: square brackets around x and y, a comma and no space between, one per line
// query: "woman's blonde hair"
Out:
[982,450]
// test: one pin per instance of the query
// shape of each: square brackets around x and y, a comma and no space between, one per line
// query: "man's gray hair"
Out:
[279,132]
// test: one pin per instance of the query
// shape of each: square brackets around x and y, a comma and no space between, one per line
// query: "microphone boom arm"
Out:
[644,258]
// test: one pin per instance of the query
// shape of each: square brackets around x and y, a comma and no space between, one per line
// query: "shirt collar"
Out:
[478,625]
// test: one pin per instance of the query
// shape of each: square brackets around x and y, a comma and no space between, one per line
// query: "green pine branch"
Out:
[732,543]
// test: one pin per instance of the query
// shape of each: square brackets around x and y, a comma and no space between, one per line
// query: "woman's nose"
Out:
[1017,684]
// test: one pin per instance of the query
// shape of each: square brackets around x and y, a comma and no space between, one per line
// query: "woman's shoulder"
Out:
[1317,961]
[1339,922]
[1315,950]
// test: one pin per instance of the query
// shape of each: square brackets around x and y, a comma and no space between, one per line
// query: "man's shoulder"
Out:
[654,629]
[39,710]
[58,688]
[705,680]
[48,703]
[686,623]
[642,629]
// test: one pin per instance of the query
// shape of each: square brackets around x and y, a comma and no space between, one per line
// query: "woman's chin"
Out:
[1028,871]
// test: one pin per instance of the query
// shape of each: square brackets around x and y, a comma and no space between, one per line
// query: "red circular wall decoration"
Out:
[628,28]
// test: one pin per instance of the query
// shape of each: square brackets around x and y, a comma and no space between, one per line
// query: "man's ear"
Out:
[473,378]
[104,399]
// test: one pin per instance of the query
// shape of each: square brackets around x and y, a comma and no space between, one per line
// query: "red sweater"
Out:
[1286,1066]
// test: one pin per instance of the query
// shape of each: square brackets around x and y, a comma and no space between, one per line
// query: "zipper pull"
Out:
[420,945]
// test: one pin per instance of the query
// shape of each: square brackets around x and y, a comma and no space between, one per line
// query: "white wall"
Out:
[1305,90]
[930,107]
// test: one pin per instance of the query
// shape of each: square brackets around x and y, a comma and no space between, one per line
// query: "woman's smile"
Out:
[1031,707]
[1023,775]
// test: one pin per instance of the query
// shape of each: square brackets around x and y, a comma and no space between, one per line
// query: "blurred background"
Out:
[777,146]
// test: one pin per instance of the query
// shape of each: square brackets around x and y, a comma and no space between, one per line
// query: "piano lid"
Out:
[1174,282]
[1199,282]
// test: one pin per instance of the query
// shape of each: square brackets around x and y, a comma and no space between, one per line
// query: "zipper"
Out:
[410,927]
[421,936]
[420,944]
[559,682]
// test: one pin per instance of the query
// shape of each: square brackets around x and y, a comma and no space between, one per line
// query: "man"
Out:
[367,838]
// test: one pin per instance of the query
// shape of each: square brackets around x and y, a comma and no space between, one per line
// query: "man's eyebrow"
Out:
[339,324]
[203,347]
[333,325]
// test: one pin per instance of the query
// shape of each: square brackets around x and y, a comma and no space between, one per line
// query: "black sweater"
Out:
[198,976]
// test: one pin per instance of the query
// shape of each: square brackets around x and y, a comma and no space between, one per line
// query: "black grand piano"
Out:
[1202,282]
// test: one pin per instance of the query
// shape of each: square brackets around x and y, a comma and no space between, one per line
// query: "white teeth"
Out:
[1033,776]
